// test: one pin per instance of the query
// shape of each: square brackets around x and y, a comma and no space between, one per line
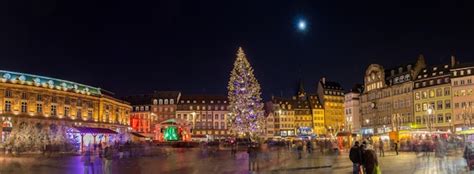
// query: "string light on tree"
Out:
[246,107]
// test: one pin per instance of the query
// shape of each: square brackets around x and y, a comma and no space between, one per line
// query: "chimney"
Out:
[324,80]
[453,61]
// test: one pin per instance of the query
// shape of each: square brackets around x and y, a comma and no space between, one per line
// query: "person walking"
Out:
[355,155]
[87,161]
[395,147]
[309,147]
[253,154]
[381,148]
[299,149]
[370,159]
[108,154]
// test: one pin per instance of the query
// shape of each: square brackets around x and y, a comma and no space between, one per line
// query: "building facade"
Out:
[433,99]
[462,76]
[303,116]
[331,95]
[53,104]
[352,109]
[207,114]
[142,119]
[317,112]
[387,101]
[284,117]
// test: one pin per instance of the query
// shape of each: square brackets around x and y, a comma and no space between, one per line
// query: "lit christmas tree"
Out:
[245,103]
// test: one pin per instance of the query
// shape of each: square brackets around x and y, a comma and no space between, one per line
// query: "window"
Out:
[417,96]
[448,117]
[54,99]
[23,96]
[425,106]
[155,101]
[439,92]
[440,118]
[89,113]
[447,104]
[166,101]
[8,106]
[39,108]
[39,97]
[424,95]
[418,120]
[216,117]
[160,101]
[469,81]
[447,91]
[79,113]
[439,105]
[67,101]
[171,101]
[66,111]
[8,93]
[216,125]
[24,106]
[53,110]
[432,93]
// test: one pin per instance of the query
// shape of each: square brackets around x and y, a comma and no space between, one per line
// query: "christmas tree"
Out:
[245,103]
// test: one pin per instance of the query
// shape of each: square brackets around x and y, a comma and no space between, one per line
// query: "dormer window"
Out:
[392,72]
[409,67]
[435,68]
[400,70]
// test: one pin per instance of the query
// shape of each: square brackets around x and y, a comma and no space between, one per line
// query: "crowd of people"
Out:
[97,158]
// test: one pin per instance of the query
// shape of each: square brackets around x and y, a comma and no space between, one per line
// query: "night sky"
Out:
[132,47]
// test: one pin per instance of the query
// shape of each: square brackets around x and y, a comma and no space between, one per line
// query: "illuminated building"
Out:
[433,98]
[317,112]
[303,116]
[284,117]
[54,104]
[462,76]
[269,131]
[331,95]
[142,119]
[387,101]
[165,104]
[207,114]
[352,108]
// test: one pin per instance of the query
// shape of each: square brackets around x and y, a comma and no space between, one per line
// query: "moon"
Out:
[302,25]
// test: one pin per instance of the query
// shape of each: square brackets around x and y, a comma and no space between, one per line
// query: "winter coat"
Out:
[370,160]
[355,154]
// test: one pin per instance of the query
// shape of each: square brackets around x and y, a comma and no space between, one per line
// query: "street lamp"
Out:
[450,126]
[430,112]
[194,119]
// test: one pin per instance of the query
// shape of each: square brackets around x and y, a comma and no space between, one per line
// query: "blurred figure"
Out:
[309,147]
[469,155]
[87,161]
[381,148]
[395,147]
[370,159]
[299,149]
[355,155]
[108,154]
[253,154]
[440,152]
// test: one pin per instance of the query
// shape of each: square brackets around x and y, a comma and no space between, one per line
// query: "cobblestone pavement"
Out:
[196,161]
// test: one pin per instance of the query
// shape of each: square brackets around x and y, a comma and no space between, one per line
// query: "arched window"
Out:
[166,101]
[160,101]
[171,101]
[155,102]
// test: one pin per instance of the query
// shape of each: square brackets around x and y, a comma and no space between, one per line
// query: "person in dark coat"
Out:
[370,159]
[355,155]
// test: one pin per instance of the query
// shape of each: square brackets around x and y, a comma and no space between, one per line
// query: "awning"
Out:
[93,130]
[138,135]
